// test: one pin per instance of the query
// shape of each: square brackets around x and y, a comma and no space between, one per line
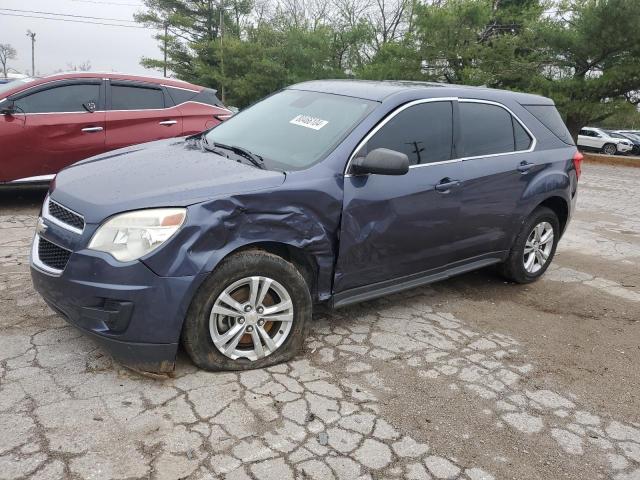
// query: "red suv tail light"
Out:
[577,163]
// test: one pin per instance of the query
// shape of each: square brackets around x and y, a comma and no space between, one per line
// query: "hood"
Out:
[166,173]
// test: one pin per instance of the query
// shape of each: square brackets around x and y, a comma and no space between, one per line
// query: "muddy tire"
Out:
[253,311]
[533,248]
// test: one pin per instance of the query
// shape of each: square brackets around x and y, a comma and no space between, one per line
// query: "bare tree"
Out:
[7,52]
[82,67]
[390,19]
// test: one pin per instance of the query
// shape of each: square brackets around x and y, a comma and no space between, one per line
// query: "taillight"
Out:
[222,116]
[577,162]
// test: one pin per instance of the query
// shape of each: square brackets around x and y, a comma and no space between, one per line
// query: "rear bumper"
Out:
[131,312]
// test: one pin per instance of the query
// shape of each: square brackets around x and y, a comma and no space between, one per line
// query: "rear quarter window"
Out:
[550,118]
[208,96]
[179,95]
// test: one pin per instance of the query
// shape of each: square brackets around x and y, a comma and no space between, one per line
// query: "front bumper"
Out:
[133,313]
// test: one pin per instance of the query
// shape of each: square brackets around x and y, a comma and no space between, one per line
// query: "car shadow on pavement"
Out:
[22,198]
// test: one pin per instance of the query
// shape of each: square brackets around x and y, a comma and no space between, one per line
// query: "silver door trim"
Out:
[92,129]
[180,88]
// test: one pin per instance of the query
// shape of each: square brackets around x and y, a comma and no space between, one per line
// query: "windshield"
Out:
[629,136]
[614,134]
[292,129]
[5,87]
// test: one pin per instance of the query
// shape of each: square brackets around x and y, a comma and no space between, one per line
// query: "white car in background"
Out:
[591,138]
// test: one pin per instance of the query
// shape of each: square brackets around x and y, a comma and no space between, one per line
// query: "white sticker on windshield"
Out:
[309,122]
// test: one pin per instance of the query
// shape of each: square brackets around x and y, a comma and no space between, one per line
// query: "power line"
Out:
[97,2]
[67,15]
[70,20]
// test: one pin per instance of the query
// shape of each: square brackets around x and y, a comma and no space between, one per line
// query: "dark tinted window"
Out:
[423,132]
[486,129]
[135,98]
[209,97]
[550,118]
[589,133]
[67,98]
[180,96]
[522,138]
[614,134]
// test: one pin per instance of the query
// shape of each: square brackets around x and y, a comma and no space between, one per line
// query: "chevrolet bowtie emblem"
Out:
[41,227]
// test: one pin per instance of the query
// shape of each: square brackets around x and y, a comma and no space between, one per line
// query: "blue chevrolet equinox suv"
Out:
[331,192]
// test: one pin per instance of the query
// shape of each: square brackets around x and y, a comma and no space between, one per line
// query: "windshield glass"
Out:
[292,129]
[5,87]
[629,136]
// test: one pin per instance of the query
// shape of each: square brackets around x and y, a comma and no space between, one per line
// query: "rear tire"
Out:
[609,149]
[533,250]
[250,296]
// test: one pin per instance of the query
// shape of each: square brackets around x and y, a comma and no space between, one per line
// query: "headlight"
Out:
[131,235]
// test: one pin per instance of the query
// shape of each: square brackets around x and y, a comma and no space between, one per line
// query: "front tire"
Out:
[609,149]
[252,312]
[534,247]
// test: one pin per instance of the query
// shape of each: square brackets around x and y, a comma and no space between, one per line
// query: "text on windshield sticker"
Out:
[309,122]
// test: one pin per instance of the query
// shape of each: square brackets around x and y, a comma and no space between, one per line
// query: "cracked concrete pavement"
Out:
[471,378]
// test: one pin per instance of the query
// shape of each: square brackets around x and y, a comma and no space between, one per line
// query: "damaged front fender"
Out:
[306,217]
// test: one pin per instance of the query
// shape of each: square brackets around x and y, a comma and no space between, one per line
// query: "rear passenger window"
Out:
[136,98]
[486,129]
[423,132]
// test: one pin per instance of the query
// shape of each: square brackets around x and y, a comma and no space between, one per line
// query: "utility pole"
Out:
[166,32]
[33,51]
[221,27]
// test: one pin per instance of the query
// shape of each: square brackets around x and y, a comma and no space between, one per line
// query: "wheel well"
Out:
[302,260]
[560,208]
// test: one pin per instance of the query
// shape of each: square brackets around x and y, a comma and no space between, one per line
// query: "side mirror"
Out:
[381,161]
[89,106]
[8,108]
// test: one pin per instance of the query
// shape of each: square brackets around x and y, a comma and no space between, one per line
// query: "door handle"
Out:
[524,167]
[446,184]
[168,122]
[92,129]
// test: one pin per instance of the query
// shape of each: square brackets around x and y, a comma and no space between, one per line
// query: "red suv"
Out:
[49,123]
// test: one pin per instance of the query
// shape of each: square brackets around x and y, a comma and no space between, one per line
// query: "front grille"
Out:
[65,215]
[52,255]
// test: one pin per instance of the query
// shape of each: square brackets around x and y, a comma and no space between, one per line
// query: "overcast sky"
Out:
[59,43]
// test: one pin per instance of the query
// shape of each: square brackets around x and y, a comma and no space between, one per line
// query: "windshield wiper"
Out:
[255,159]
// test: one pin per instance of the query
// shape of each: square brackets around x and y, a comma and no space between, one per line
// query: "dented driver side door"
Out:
[395,226]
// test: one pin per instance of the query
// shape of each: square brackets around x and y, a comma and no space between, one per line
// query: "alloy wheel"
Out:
[251,318]
[538,247]
[610,149]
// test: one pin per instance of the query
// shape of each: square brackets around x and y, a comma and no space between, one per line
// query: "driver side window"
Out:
[62,99]
[423,132]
